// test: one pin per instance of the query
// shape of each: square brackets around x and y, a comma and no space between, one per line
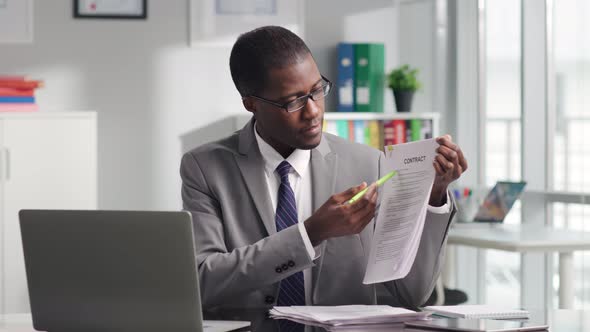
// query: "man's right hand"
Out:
[338,218]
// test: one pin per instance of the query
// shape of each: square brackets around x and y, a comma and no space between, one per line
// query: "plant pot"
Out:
[403,100]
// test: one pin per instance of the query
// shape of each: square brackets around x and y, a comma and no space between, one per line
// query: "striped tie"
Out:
[292,290]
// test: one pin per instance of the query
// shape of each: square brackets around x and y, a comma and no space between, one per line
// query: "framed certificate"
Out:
[126,9]
[220,22]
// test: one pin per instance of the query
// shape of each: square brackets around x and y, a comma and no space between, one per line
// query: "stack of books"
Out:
[17,94]
[403,131]
[378,133]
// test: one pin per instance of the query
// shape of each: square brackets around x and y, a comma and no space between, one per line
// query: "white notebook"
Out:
[477,311]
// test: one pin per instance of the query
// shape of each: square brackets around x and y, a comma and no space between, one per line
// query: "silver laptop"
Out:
[499,201]
[113,271]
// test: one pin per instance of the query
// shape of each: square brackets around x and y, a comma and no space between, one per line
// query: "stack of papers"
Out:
[348,316]
[477,311]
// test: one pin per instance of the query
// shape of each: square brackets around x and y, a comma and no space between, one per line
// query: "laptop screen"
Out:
[499,201]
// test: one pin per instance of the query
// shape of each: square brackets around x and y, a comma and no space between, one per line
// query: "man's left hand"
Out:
[449,164]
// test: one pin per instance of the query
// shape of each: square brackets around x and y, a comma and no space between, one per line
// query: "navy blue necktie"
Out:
[292,289]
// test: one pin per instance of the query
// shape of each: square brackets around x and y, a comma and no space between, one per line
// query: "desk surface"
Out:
[558,321]
[519,238]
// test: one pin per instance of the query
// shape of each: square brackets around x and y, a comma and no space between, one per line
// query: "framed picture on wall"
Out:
[219,22]
[117,9]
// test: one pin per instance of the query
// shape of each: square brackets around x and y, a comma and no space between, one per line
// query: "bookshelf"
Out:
[379,129]
[228,125]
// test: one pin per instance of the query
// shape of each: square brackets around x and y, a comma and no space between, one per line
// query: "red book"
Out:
[22,85]
[11,92]
[351,130]
[21,107]
[399,131]
[13,78]
[388,133]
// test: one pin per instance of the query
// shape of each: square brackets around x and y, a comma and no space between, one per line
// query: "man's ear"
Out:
[249,104]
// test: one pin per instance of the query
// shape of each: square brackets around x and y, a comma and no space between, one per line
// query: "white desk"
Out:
[16,323]
[524,239]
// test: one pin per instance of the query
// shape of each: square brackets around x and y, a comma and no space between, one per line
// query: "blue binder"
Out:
[345,82]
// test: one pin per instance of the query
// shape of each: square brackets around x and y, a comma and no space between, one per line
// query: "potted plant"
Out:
[403,82]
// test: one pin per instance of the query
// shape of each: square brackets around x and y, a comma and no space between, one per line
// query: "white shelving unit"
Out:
[331,116]
[232,123]
[48,160]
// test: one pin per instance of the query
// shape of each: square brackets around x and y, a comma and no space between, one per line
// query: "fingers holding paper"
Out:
[449,164]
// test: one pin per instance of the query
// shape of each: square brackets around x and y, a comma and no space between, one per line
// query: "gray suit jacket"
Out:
[241,257]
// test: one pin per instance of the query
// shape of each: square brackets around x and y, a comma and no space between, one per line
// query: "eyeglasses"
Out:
[300,102]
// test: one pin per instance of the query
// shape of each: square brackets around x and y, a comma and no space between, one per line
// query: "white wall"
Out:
[146,84]
[149,87]
[329,22]
[424,43]
[417,45]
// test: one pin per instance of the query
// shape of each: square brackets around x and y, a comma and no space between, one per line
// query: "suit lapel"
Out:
[251,166]
[323,173]
[323,177]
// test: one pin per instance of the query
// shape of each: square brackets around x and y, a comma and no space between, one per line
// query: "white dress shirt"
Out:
[300,180]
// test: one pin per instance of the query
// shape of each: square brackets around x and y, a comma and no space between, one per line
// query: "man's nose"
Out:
[311,108]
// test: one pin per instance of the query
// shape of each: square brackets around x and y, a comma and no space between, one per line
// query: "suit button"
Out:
[269,299]
[278,269]
[291,263]
[285,267]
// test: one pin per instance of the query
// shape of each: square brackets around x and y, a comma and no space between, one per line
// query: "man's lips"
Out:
[312,128]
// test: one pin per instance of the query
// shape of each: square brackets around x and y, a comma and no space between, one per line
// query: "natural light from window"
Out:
[503,134]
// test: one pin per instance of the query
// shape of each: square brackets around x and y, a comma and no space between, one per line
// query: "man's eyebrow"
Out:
[295,94]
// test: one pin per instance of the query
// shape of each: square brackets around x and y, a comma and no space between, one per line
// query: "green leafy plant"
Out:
[403,78]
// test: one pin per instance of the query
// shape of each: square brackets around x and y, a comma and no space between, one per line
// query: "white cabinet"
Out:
[47,161]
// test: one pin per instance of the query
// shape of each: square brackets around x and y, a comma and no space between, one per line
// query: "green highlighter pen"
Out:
[379,183]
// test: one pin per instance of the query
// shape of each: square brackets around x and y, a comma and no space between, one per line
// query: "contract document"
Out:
[404,202]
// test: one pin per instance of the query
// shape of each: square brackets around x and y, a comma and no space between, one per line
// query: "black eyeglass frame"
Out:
[307,96]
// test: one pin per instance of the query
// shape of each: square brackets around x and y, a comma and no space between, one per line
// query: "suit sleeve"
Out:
[413,290]
[224,273]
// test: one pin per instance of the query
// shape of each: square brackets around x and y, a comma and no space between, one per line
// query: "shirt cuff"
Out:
[443,209]
[313,254]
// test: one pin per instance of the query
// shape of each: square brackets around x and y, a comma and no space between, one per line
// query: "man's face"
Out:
[284,131]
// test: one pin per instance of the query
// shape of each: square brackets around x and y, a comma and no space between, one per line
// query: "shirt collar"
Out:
[299,159]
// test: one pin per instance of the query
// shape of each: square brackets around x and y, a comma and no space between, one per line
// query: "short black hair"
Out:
[258,51]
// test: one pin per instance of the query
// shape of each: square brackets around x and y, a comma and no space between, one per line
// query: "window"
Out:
[503,133]
[570,134]
[503,104]
[556,85]
[571,139]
